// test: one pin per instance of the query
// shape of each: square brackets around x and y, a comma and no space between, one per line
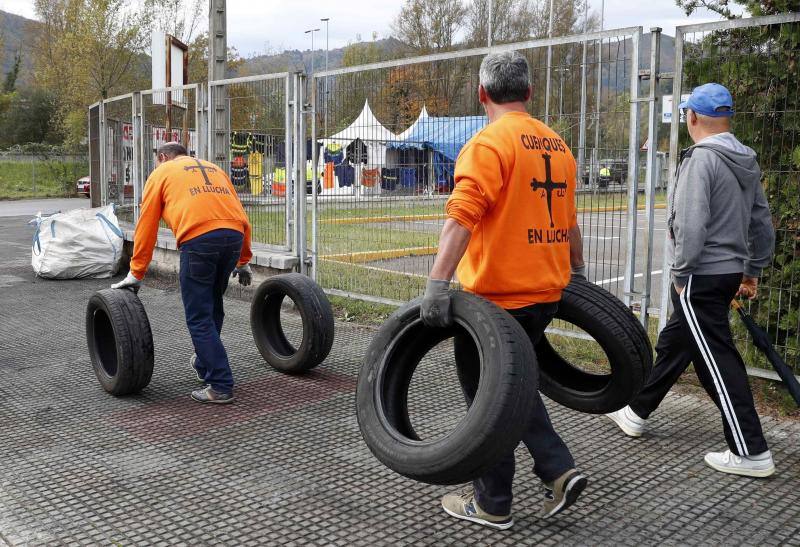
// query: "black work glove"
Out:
[435,308]
[579,271]
[245,275]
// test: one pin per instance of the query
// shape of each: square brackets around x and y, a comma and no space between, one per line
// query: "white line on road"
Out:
[615,279]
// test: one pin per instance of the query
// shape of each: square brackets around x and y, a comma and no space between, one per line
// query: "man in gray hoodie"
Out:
[721,237]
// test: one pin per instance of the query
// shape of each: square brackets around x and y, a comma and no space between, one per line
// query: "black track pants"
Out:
[699,332]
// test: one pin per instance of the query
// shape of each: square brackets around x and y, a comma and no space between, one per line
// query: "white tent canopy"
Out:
[369,130]
[422,115]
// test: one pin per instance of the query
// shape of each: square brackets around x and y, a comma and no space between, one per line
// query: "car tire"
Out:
[620,335]
[120,341]
[316,314]
[494,422]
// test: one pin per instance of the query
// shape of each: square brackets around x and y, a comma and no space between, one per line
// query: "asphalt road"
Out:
[605,238]
[29,207]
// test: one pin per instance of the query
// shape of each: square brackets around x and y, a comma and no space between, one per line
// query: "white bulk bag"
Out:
[76,244]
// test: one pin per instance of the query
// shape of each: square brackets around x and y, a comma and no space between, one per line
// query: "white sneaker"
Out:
[627,420]
[758,465]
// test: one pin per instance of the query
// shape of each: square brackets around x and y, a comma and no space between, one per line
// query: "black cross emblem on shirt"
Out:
[548,186]
[202,168]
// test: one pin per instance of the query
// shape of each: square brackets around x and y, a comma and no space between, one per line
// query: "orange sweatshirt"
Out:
[194,197]
[515,191]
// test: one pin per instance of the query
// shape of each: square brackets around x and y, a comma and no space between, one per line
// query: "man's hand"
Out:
[130,282]
[435,309]
[245,275]
[748,288]
[579,271]
[678,289]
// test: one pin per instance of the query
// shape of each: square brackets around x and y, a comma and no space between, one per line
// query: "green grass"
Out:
[21,179]
[337,239]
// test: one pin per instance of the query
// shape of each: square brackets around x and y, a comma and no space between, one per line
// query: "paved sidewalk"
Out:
[286,465]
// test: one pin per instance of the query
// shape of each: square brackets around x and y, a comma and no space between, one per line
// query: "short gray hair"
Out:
[172,150]
[505,77]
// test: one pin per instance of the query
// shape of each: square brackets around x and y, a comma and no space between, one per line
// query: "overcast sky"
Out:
[255,27]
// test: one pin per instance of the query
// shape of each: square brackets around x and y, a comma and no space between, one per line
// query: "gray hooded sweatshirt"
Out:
[719,219]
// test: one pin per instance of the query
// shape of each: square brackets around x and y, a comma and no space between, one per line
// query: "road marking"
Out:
[615,279]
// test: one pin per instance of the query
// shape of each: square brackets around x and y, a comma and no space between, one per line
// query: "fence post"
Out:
[138,149]
[674,134]
[314,175]
[582,128]
[651,178]
[629,280]
[103,153]
[289,165]
[300,172]
[201,121]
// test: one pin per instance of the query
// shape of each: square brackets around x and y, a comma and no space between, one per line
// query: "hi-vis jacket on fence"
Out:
[515,191]
[194,197]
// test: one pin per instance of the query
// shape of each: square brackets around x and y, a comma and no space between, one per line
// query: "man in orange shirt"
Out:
[198,202]
[512,231]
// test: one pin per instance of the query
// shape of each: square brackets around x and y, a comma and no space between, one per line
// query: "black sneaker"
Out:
[563,492]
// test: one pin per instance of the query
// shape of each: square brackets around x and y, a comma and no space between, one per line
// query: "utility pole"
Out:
[311,32]
[217,65]
[326,20]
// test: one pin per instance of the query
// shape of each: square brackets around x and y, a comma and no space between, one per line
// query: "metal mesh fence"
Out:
[757,61]
[388,136]
[249,141]
[117,183]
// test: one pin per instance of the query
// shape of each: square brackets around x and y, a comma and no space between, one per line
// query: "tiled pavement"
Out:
[286,465]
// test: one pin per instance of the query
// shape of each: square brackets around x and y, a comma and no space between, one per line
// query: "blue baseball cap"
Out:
[707,98]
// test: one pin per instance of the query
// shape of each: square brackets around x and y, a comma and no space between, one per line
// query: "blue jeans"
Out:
[551,457]
[207,262]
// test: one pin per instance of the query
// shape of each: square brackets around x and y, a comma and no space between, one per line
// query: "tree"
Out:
[512,21]
[11,76]
[430,25]
[99,44]
[198,60]
[178,18]
[28,118]
[760,66]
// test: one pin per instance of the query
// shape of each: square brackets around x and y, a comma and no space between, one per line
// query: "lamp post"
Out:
[326,20]
[311,32]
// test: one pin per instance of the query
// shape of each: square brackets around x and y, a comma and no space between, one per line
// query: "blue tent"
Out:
[444,135]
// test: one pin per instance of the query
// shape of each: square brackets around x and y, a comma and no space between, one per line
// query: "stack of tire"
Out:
[509,369]
[121,342]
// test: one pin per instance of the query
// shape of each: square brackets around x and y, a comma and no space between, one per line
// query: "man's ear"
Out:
[528,94]
[483,97]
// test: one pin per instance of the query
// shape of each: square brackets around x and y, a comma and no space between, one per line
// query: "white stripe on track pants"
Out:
[699,332]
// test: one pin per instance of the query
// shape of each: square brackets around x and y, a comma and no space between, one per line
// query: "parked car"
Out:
[84,186]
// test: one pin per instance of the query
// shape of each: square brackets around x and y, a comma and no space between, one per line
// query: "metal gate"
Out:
[379,214]
[251,136]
